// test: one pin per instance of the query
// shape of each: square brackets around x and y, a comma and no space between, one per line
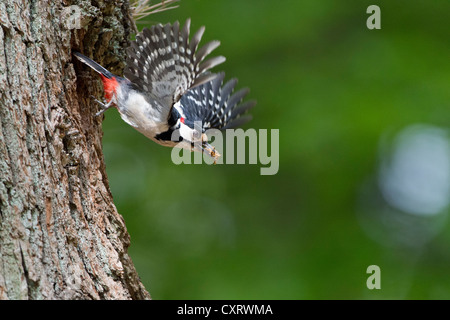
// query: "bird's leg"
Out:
[103,105]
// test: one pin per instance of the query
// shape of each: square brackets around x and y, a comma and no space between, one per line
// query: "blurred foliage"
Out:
[333,88]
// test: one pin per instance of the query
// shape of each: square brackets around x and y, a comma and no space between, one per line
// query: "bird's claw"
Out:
[103,105]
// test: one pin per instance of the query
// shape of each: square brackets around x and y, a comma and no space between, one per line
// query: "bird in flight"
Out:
[168,92]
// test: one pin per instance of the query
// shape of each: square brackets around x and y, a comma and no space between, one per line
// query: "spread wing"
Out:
[164,63]
[217,106]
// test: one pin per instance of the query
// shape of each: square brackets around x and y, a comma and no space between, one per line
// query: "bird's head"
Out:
[192,133]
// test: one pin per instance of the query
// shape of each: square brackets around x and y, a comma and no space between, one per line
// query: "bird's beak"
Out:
[205,147]
[211,151]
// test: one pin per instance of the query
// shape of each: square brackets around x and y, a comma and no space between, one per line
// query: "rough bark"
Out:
[61,236]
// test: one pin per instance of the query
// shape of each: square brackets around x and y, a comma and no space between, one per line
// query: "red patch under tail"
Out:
[109,86]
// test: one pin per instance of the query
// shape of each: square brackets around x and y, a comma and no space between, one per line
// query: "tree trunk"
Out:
[61,236]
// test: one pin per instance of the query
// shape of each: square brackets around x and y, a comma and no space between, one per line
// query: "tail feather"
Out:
[94,65]
[109,80]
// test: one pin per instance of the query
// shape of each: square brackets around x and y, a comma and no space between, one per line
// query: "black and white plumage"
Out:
[165,64]
[216,105]
[167,86]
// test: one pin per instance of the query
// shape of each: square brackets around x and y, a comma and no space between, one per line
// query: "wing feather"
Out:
[165,64]
[215,105]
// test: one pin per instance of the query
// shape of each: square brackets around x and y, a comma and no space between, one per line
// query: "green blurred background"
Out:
[339,93]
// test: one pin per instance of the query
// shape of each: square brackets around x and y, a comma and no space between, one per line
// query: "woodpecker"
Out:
[167,86]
